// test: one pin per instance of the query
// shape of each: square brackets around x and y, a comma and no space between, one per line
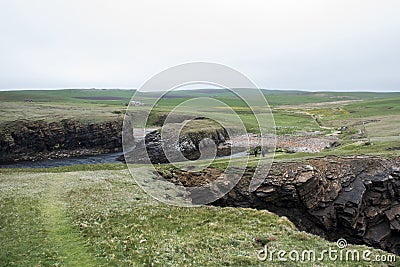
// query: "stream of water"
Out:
[97,159]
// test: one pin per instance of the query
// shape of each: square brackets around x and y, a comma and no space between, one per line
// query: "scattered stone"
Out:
[309,168]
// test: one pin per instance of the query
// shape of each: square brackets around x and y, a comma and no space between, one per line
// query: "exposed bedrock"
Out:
[189,145]
[35,140]
[355,198]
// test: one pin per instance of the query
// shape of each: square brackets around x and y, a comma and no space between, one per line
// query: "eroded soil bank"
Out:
[357,198]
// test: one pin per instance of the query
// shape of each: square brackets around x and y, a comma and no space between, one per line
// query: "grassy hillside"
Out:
[102,218]
[68,96]
[294,111]
[109,96]
[96,215]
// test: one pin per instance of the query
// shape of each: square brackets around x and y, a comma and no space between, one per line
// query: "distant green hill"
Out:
[119,96]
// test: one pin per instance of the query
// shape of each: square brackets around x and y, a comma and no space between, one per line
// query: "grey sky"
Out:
[312,45]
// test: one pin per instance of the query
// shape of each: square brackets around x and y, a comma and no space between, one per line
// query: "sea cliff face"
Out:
[36,140]
[357,198]
[188,144]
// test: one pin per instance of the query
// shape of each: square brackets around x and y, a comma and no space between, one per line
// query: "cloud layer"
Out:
[311,45]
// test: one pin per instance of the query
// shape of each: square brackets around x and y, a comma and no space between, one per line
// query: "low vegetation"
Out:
[96,215]
[102,218]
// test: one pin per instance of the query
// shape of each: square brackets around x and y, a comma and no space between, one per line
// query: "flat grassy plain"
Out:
[96,215]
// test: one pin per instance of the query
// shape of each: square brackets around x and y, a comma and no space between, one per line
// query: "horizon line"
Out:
[272,89]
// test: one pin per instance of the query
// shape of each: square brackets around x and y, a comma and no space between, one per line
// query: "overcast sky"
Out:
[341,45]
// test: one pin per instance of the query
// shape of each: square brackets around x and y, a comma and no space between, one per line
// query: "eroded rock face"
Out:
[35,140]
[189,145]
[355,198]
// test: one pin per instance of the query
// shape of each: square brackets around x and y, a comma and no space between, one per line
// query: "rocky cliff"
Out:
[356,198]
[190,144]
[35,140]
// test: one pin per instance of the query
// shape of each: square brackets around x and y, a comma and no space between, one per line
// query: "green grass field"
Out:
[293,111]
[102,218]
[96,215]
